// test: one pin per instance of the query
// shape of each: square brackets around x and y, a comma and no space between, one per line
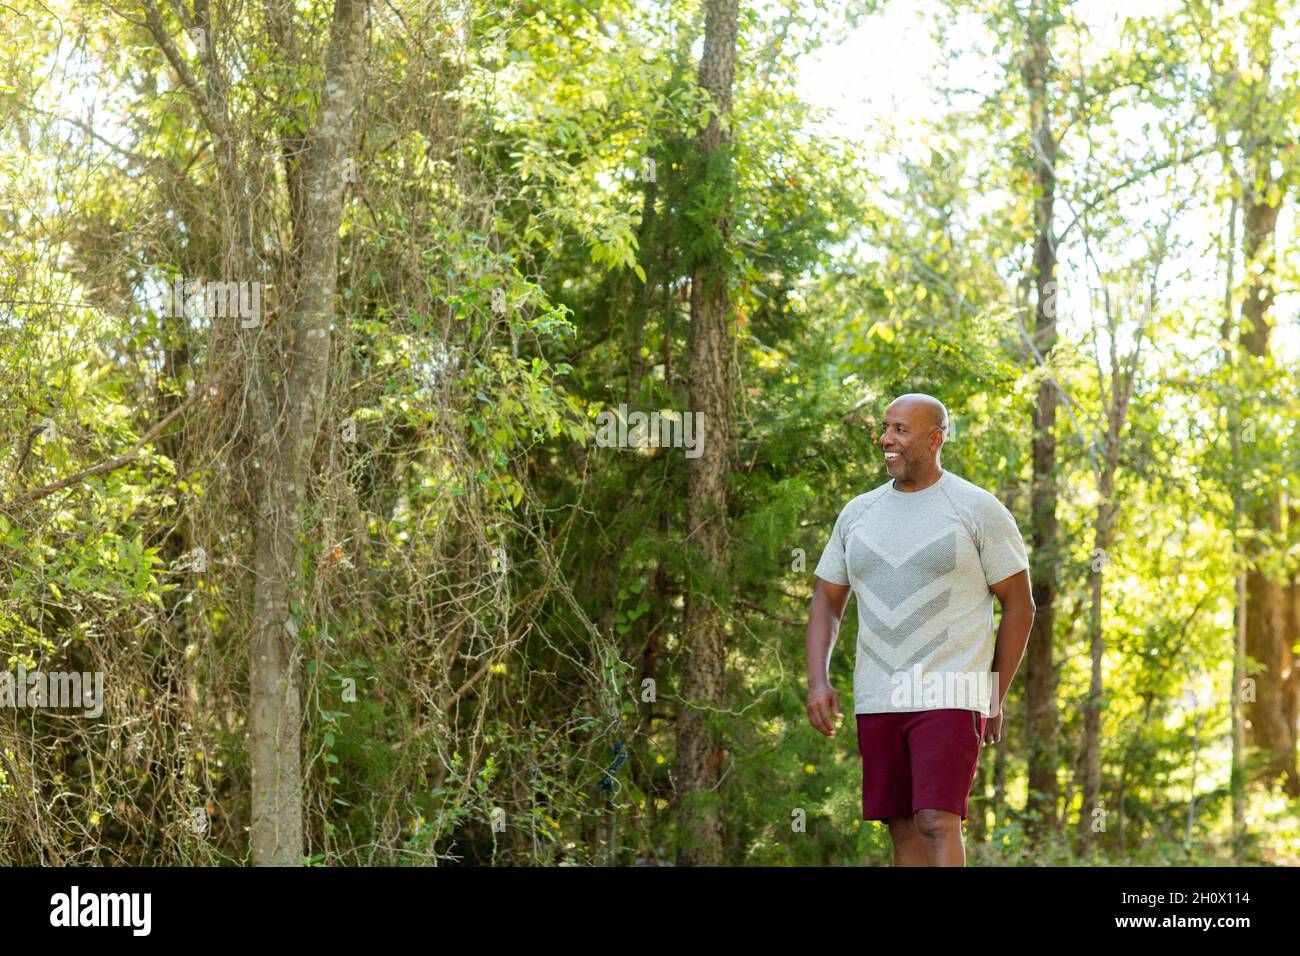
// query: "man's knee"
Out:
[936,824]
[903,827]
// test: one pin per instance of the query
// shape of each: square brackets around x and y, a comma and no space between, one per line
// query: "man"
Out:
[925,554]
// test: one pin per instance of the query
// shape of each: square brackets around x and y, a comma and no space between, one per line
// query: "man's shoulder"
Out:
[859,502]
[971,495]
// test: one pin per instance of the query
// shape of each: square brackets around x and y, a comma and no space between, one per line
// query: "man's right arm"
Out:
[823,626]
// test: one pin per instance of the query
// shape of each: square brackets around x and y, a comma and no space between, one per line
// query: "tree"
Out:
[1273,711]
[1040,675]
[700,755]
[287,407]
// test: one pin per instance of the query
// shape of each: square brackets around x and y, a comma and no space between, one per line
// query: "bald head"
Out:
[927,405]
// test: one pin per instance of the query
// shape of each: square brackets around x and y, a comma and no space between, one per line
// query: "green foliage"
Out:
[506,596]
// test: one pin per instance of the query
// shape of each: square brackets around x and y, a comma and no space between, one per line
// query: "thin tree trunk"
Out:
[289,424]
[1117,397]
[1237,779]
[1096,649]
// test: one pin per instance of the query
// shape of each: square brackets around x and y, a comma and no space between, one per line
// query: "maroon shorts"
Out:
[920,760]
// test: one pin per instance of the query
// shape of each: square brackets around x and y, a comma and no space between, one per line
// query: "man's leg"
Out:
[909,849]
[944,746]
[939,833]
[887,783]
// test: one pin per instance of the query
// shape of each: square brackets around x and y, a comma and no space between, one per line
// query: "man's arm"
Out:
[1017,603]
[823,627]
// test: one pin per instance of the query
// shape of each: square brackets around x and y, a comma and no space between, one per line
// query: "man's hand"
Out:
[993,729]
[822,702]
[823,624]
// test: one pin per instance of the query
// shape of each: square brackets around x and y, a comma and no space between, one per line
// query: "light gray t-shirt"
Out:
[920,564]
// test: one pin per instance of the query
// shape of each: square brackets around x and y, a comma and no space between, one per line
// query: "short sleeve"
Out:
[832,567]
[1002,550]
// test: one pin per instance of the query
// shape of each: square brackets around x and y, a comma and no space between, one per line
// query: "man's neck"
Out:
[919,484]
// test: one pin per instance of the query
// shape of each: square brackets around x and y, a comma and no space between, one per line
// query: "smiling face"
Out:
[911,439]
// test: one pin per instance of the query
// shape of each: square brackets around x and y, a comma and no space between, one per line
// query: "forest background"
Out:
[309,310]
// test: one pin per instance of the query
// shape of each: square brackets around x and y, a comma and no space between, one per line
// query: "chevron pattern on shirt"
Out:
[900,596]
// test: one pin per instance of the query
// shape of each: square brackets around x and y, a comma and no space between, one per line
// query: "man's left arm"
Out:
[1017,601]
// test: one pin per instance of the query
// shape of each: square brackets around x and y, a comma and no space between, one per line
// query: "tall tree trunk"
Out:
[699,752]
[289,421]
[1040,683]
[1269,728]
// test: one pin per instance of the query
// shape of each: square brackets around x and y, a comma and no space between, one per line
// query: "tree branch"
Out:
[104,467]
